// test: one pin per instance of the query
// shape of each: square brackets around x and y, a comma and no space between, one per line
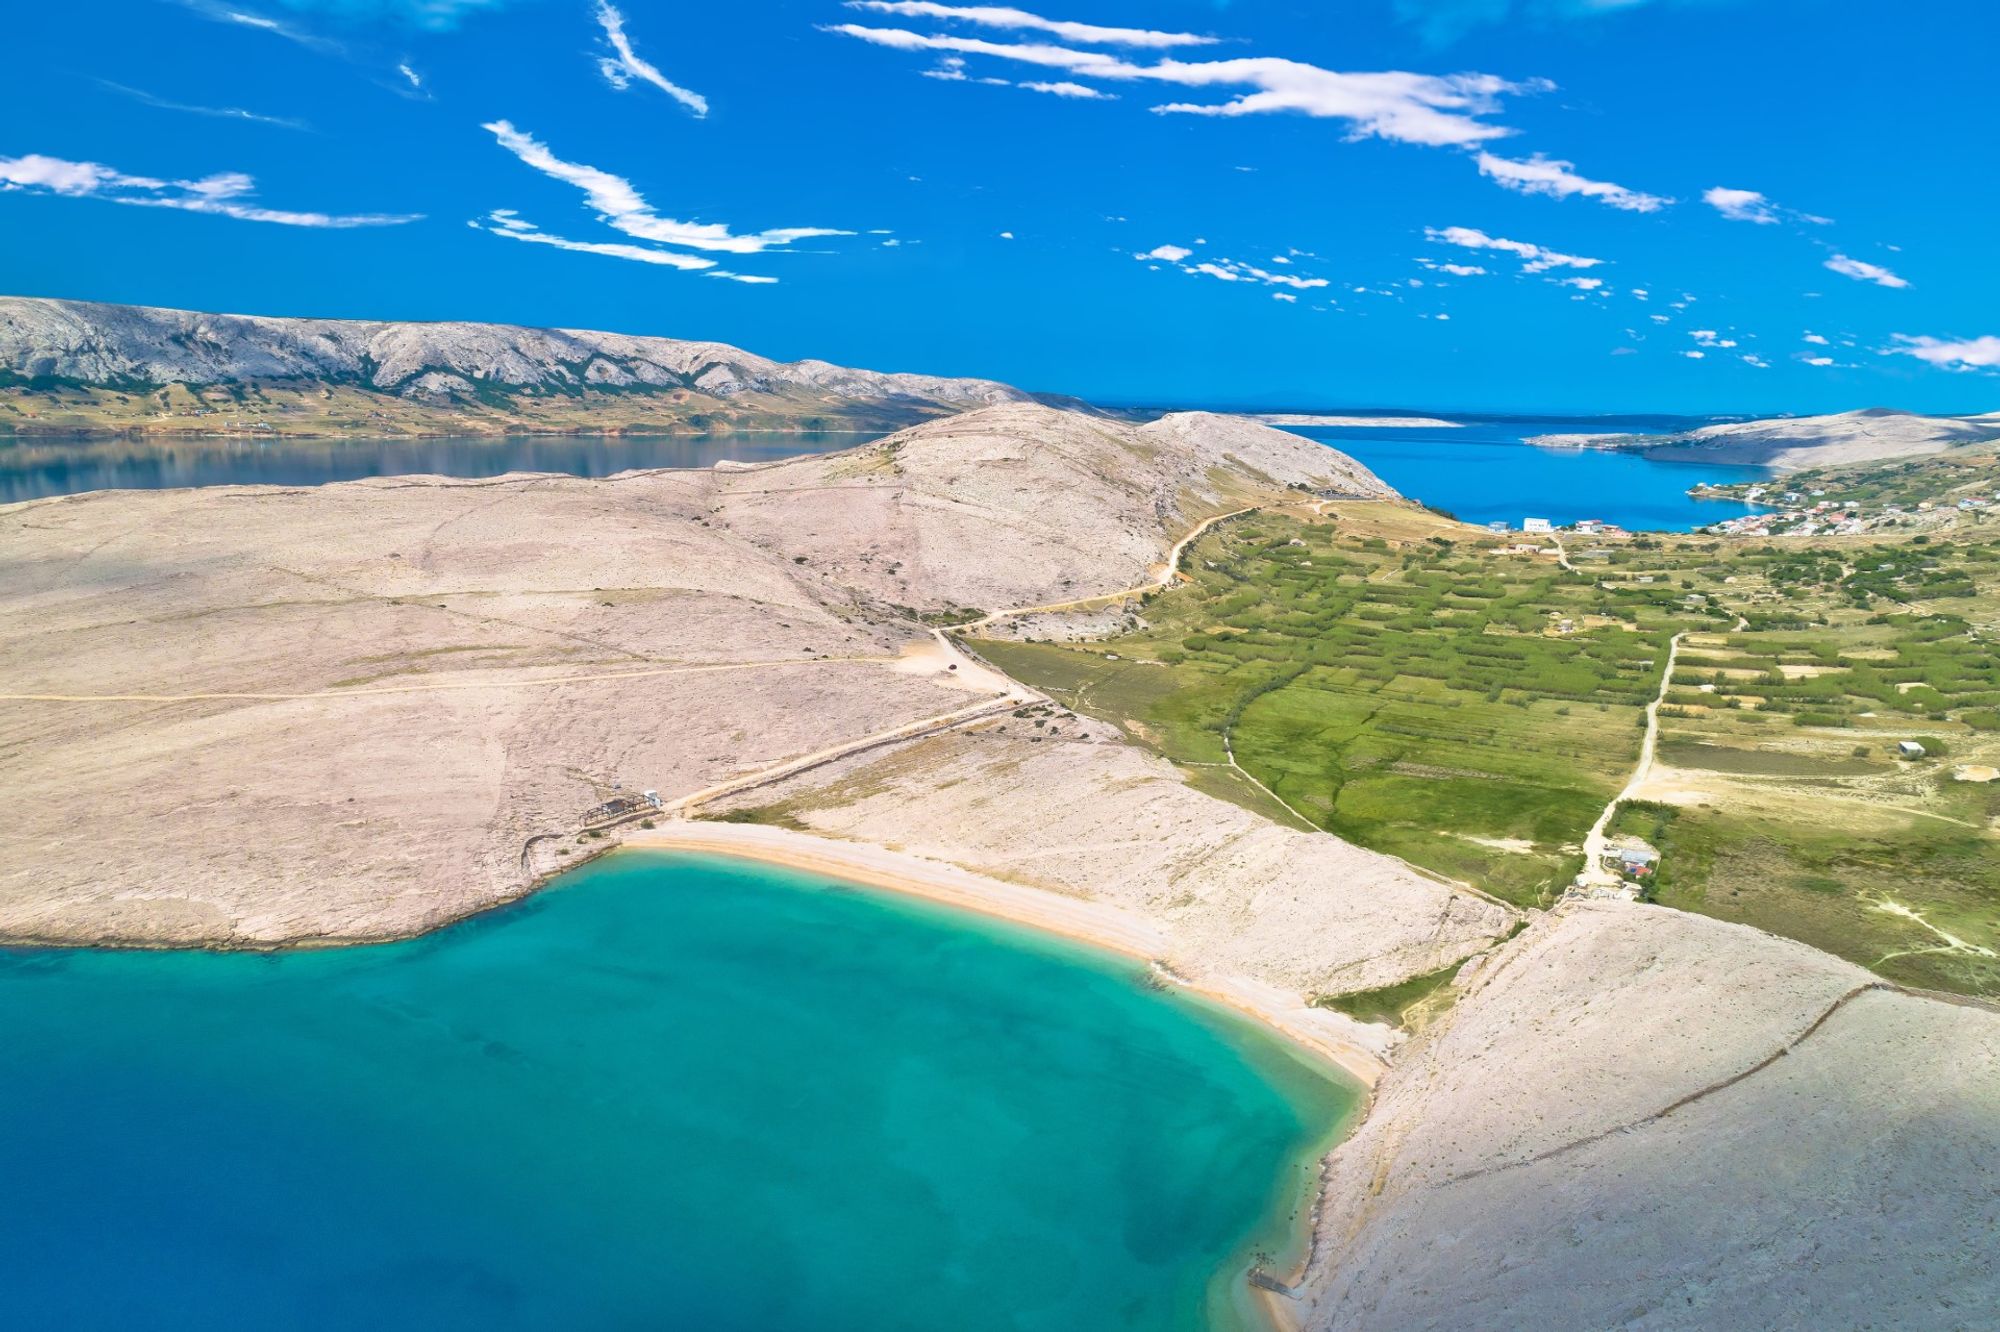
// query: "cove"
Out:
[1483,471]
[668,1091]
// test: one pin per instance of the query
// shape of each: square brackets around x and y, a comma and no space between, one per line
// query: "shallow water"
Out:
[35,467]
[1482,472]
[670,1092]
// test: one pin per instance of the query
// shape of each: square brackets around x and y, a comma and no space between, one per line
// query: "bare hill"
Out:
[1875,434]
[85,365]
[266,713]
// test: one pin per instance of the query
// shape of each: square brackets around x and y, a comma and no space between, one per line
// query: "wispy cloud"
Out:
[1753,206]
[621,207]
[1559,180]
[994,16]
[506,222]
[145,98]
[225,194]
[1534,258]
[1863,271]
[250,18]
[1229,270]
[1429,109]
[1961,354]
[1067,89]
[625,64]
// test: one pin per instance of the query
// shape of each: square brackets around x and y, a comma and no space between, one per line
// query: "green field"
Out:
[1394,679]
[1418,687]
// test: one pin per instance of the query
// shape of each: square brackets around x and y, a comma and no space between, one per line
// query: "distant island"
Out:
[1355,422]
[1873,434]
[81,367]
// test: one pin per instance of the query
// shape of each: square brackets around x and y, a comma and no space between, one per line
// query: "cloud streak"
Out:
[1428,109]
[994,16]
[1948,354]
[1534,258]
[625,64]
[621,207]
[225,194]
[1754,207]
[1559,180]
[145,98]
[1863,271]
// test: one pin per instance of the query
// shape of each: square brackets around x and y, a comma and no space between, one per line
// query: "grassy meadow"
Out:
[1419,687]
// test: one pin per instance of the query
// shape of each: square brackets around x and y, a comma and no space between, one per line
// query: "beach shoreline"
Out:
[1101,925]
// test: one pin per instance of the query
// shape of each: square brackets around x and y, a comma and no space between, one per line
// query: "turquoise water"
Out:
[668,1093]
[1482,472]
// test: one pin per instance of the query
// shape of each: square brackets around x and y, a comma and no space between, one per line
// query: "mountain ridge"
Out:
[92,367]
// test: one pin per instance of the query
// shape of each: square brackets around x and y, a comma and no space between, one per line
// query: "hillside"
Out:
[1874,434]
[82,366]
[350,710]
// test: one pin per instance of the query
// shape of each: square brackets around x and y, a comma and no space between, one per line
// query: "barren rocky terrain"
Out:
[1793,443]
[1639,1118]
[89,367]
[249,715]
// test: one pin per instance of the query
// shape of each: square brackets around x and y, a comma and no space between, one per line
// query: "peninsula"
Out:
[242,717]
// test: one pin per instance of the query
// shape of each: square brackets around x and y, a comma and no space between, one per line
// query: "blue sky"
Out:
[1580,205]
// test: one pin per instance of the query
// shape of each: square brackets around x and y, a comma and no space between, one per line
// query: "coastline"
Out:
[1314,1031]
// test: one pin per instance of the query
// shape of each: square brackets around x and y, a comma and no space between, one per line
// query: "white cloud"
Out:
[1694,355]
[225,194]
[1067,89]
[626,64]
[1968,354]
[504,222]
[623,208]
[1006,235]
[1817,340]
[1580,283]
[1284,296]
[415,80]
[1819,360]
[1558,180]
[1751,358]
[1661,319]
[1741,205]
[1534,258]
[1456,270]
[1171,254]
[1753,206]
[1393,104]
[1708,337]
[994,16]
[1862,271]
[217,112]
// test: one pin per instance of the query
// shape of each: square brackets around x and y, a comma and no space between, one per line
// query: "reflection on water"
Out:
[31,468]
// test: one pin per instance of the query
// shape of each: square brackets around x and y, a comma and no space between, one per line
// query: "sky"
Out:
[1702,206]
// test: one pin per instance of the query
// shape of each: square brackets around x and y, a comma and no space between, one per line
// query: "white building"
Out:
[1536,525]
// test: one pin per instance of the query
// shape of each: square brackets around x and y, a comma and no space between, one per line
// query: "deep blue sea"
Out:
[1482,472]
[667,1093]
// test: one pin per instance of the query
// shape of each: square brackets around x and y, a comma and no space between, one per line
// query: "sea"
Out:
[668,1092]
[1482,470]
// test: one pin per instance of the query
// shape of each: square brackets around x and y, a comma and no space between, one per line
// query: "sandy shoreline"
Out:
[1316,1031]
